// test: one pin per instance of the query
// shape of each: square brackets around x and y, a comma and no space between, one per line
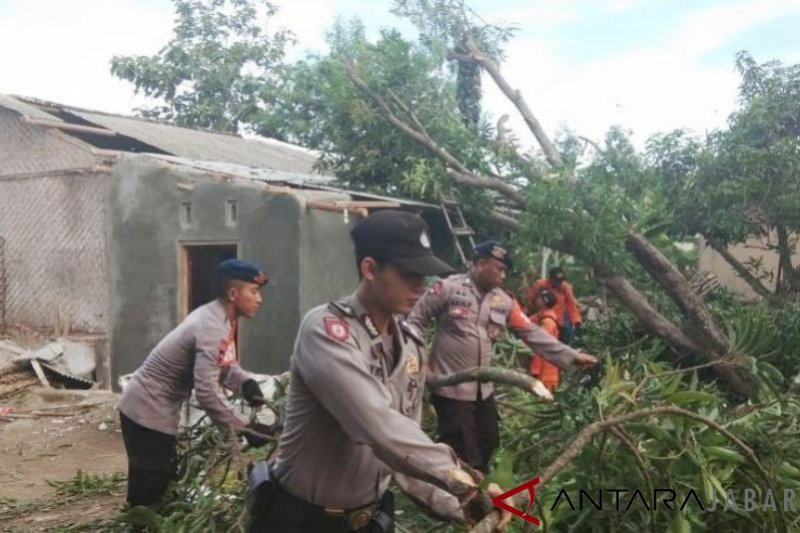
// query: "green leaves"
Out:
[217,71]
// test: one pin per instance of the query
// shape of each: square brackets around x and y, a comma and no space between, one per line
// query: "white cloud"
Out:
[308,20]
[648,90]
[61,50]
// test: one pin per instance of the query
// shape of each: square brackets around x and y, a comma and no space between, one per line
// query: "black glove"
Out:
[252,394]
[478,507]
[257,441]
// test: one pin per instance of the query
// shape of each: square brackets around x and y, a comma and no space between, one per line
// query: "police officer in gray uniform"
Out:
[472,312]
[352,421]
[201,354]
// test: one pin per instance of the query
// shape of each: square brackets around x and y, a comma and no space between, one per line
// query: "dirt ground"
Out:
[71,431]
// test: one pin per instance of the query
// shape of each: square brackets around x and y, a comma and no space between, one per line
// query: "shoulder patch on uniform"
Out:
[337,329]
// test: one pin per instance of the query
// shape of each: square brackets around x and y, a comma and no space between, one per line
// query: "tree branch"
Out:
[680,291]
[637,302]
[421,137]
[483,182]
[585,436]
[504,220]
[418,133]
[497,375]
[743,272]
[549,149]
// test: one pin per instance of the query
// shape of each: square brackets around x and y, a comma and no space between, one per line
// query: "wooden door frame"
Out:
[183,270]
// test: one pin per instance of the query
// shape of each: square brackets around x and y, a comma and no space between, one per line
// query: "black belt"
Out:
[355,519]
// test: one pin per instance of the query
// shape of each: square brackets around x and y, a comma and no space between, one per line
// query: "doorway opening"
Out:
[198,273]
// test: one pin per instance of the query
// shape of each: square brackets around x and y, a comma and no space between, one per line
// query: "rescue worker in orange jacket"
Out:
[566,308]
[545,317]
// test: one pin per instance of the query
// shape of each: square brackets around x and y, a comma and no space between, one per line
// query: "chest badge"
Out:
[412,366]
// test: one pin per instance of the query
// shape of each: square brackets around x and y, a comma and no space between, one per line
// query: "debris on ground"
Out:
[63,363]
[46,436]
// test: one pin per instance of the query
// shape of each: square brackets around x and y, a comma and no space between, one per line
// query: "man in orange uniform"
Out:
[566,308]
[545,317]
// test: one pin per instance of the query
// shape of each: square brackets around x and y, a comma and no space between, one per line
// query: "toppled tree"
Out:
[604,213]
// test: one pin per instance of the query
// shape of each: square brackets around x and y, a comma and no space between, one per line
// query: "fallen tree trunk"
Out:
[704,338]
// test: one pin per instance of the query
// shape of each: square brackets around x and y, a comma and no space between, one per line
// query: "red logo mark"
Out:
[498,501]
[337,329]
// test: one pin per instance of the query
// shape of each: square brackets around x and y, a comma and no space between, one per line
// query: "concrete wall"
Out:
[327,258]
[55,251]
[712,262]
[146,234]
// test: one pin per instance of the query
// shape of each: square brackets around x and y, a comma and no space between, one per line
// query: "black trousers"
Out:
[151,462]
[278,511]
[469,427]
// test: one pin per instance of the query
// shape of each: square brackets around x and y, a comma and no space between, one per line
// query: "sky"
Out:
[647,65]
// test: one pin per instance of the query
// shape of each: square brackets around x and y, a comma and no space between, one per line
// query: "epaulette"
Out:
[341,310]
[409,330]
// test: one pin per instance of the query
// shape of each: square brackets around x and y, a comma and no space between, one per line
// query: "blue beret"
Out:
[242,270]
[495,250]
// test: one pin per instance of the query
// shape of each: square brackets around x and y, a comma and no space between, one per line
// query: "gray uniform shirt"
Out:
[199,353]
[352,421]
[468,322]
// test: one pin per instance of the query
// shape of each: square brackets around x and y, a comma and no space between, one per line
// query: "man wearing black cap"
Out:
[352,418]
[201,354]
[472,311]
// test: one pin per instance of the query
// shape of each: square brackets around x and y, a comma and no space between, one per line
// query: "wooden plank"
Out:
[334,208]
[40,373]
[374,204]
[102,364]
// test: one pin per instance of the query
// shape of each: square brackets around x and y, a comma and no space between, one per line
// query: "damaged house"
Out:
[111,226]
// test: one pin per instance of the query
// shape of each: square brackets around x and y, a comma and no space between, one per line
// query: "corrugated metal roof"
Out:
[258,174]
[206,146]
[26,110]
[302,181]
[370,196]
[265,160]
[25,148]
[182,142]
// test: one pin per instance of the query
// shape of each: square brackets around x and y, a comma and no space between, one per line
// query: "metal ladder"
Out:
[458,227]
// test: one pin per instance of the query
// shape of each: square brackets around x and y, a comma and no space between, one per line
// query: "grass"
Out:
[88,484]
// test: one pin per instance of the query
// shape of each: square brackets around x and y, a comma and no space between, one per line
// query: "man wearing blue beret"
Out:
[201,354]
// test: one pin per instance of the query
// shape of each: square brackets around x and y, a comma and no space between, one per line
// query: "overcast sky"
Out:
[648,65]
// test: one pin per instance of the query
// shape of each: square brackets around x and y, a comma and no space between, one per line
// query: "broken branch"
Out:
[549,149]
[585,436]
[418,133]
[497,375]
